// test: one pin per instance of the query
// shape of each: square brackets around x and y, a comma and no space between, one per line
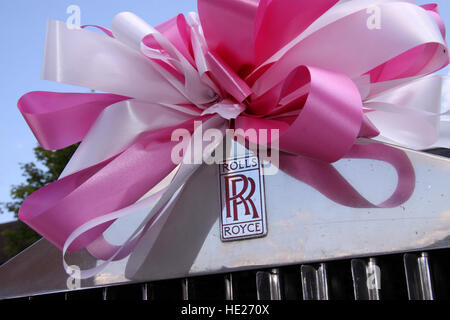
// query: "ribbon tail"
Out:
[326,179]
[159,207]
[60,207]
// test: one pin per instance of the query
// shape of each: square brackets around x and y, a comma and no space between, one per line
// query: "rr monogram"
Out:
[238,198]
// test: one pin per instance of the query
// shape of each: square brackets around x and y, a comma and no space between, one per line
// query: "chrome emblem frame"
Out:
[242,201]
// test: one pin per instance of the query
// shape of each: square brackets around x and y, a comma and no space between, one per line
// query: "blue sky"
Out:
[22,36]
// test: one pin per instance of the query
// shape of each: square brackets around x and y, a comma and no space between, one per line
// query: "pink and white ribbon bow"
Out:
[322,72]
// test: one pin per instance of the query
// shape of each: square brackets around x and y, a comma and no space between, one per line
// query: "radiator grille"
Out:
[413,276]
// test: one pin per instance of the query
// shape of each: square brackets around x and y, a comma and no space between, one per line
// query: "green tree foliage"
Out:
[54,162]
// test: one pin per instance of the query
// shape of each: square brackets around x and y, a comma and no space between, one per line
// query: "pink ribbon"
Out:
[295,66]
[323,177]
[61,119]
[108,186]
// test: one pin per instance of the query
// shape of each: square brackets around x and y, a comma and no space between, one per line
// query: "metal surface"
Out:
[185,289]
[268,285]
[418,276]
[314,282]
[366,276]
[229,295]
[304,227]
[145,292]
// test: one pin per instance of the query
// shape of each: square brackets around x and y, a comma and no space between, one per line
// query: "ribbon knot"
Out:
[226,108]
[318,112]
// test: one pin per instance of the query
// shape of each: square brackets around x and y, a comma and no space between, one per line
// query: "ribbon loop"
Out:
[59,120]
[328,118]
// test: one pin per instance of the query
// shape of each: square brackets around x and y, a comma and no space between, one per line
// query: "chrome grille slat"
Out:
[268,285]
[185,289]
[144,291]
[229,295]
[366,276]
[314,282]
[418,276]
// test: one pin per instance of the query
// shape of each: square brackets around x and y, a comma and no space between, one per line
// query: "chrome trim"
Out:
[366,276]
[229,294]
[268,285]
[314,282]
[418,277]
[232,224]
[145,292]
[185,289]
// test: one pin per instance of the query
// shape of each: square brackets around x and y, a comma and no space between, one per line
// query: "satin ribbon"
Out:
[312,70]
